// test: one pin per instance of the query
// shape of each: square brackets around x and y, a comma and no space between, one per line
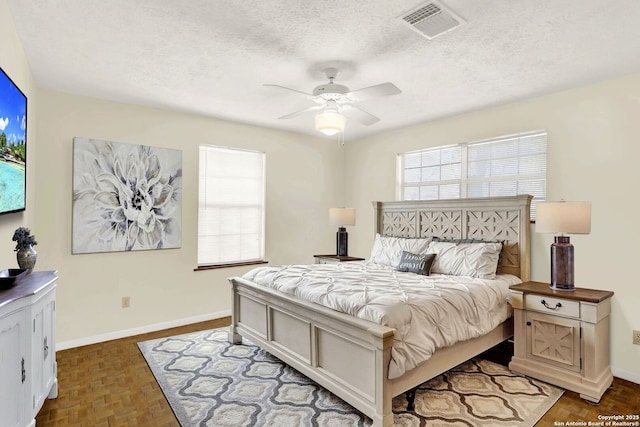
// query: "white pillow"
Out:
[387,250]
[466,259]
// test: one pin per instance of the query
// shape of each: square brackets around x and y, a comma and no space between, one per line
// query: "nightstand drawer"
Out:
[551,305]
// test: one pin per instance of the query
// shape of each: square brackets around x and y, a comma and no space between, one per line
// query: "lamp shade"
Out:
[342,216]
[330,122]
[563,217]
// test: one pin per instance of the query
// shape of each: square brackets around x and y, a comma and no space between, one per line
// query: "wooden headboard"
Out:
[497,218]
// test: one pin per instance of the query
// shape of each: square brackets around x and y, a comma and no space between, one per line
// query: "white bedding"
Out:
[427,312]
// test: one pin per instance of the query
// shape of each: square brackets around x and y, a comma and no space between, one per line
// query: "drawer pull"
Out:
[558,305]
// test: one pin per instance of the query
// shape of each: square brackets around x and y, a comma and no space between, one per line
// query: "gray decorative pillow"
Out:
[443,239]
[419,264]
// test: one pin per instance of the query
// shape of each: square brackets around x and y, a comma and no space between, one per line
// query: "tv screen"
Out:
[13,146]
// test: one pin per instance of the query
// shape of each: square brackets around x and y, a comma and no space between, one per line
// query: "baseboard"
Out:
[140,330]
[634,377]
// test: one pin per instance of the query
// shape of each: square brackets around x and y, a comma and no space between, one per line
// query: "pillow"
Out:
[469,240]
[442,239]
[466,259]
[473,240]
[413,263]
[387,250]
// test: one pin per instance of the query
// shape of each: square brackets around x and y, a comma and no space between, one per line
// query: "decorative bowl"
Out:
[9,277]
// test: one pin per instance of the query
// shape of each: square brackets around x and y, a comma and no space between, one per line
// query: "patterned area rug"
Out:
[209,382]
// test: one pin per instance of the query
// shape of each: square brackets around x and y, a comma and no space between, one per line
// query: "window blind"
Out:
[231,206]
[503,166]
[433,174]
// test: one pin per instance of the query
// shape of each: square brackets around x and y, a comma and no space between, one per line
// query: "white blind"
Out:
[432,174]
[231,206]
[503,166]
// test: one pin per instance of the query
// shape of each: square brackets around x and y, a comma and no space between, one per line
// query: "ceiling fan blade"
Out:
[288,88]
[358,114]
[300,112]
[383,89]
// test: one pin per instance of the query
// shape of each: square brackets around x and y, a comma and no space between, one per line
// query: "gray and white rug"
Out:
[209,382]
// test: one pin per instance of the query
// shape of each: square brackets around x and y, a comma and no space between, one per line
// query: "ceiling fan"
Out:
[336,102]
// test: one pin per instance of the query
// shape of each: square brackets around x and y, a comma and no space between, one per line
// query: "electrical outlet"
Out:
[636,337]
[126,302]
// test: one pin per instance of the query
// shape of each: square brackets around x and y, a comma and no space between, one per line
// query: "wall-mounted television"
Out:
[13,146]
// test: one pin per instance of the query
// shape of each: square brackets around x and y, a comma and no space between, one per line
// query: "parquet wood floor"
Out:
[110,385]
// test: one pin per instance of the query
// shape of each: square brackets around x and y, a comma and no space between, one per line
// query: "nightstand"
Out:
[562,337]
[329,259]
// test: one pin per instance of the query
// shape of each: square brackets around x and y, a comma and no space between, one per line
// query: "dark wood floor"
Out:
[110,385]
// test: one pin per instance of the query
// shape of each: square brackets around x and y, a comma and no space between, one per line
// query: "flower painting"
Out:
[126,197]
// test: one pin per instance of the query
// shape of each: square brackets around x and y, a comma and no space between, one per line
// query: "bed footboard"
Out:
[346,355]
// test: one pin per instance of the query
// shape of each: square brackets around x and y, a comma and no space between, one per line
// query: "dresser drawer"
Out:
[551,305]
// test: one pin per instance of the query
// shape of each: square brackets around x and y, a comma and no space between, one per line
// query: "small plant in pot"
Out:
[25,242]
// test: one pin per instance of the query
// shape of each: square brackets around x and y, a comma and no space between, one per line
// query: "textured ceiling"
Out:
[211,57]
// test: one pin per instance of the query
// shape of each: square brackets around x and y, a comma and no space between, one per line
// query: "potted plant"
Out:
[25,242]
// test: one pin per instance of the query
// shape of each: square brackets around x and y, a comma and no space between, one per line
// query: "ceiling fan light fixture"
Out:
[332,99]
[330,122]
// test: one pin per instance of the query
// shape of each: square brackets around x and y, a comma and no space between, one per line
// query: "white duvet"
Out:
[427,312]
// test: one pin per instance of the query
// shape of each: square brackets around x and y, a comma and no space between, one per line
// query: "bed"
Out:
[351,356]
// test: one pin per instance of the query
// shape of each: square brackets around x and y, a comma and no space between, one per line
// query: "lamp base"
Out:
[342,239]
[562,264]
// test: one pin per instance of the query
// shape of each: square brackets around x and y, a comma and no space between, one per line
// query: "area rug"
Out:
[209,382]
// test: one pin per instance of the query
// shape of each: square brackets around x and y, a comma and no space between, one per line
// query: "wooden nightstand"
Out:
[562,337]
[328,259]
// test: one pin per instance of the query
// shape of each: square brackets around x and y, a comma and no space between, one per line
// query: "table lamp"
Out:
[563,218]
[342,217]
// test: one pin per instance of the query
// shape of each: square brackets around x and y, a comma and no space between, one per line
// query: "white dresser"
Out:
[27,348]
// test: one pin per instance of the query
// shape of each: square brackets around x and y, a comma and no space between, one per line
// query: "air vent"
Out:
[432,19]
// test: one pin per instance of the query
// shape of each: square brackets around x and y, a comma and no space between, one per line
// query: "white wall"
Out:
[304,178]
[14,63]
[593,155]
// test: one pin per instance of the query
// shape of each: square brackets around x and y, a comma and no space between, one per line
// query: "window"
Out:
[231,206]
[504,166]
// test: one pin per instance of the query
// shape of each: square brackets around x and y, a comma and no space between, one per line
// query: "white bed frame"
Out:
[349,356]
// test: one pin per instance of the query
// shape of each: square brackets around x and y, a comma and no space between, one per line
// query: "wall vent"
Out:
[432,19]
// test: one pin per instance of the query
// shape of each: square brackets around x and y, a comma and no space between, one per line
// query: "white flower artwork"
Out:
[126,197]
